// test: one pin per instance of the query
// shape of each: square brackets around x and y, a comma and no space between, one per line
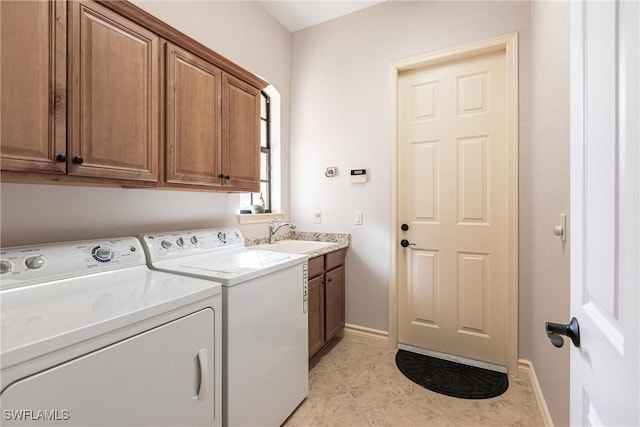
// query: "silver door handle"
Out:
[203,361]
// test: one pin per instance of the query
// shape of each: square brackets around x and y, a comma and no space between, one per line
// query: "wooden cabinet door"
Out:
[33,74]
[316,315]
[241,134]
[193,96]
[115,85]
[334,302]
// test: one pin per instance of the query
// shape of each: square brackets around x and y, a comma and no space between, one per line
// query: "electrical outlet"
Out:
[317,217]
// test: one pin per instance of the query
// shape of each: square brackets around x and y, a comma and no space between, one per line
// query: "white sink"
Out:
[293,246]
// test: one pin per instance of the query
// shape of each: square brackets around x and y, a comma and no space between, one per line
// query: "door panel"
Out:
[473,292]
[425,167]
[316,315]
[241,134]
[453,194]
[193,119]
[33,74]
[334,302]
[473,194]
[424,271]
[116,96]
[605,187]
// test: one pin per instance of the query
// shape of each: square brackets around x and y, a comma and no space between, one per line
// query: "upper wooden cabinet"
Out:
[33,75]
[115,104]
[89,97]
[193,126]
[241,135]
[213,125]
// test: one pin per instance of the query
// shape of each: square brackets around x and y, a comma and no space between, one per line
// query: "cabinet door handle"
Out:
[227,177]
[61,158]
[221,175]
[78,160]
[203,361]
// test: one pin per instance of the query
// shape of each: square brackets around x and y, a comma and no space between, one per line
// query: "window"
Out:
[248,199]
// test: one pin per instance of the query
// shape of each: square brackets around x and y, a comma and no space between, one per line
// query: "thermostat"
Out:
[358,175]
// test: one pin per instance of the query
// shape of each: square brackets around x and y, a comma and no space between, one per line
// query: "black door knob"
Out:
[78,160]
[405,243]
[555,330]
[61,158]
[404,227]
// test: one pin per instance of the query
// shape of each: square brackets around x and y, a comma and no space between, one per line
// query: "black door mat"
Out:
[451,378]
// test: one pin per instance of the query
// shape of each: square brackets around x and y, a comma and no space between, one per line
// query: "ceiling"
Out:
[296,15]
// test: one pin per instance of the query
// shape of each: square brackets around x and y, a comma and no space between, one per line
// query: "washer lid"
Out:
[233,267]
[238,262]
[43,318]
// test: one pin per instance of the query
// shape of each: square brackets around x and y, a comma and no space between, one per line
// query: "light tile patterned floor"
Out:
[357,384]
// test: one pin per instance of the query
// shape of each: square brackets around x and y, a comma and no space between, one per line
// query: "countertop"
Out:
[340,240]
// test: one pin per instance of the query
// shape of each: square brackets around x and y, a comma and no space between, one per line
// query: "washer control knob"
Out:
[5,267]
[166,244]
[180,242]
[222,236]
[103,254]
[35,262]
[194,240]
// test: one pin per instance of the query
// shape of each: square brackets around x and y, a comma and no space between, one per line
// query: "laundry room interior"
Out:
[330,86]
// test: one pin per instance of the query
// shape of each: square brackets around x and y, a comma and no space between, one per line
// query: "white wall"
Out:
[241,31]
[544,260]
[341,117]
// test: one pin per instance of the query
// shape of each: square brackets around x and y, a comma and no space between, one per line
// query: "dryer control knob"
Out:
[180,242]
[35,262]
[5,267]
[194,240]
[166,244]
[102,253]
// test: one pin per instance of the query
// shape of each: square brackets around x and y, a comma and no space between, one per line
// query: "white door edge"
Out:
[604,371]
[508,43]
[452,358]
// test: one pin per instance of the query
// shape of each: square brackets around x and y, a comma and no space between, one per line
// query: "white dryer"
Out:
[265,367]
[91,336]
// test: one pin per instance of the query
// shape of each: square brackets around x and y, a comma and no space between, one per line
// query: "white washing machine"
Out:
[91,336]
[264,296]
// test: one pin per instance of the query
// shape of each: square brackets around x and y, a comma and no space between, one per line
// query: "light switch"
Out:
[357,217]
[317,217]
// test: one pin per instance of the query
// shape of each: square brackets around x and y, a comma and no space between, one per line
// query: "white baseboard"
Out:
[526,367]
[366,335]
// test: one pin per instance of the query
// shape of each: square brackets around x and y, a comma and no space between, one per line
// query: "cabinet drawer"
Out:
[335,259]
[316,266]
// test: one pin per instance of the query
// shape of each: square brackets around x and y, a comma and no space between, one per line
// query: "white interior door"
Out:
[605,370]
[452,157]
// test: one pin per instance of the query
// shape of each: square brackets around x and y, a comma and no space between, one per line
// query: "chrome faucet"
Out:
[273,229]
